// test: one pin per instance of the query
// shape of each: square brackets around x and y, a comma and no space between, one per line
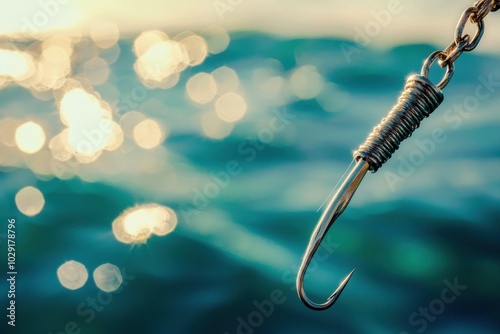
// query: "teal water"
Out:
[230,265]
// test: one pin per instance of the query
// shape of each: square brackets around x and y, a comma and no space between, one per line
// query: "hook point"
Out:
[341,287]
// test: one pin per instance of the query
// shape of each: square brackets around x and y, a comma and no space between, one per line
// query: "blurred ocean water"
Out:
[422,232]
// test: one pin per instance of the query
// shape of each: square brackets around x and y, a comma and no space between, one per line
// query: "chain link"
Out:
[496,6]
[446,58]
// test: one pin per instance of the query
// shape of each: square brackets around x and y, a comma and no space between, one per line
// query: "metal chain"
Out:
[446,58]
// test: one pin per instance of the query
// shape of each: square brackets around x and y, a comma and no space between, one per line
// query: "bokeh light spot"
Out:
[230,107]
[201,88]
[227,79]
[72,275]
[30,137]
[29,201]
[160,63]
[107,277]
[79,108]
[137,224]
[196,49]
[147,39]
[148,134]
[16,65]
[90,127]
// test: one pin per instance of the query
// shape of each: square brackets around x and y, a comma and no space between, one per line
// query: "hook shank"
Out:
[334,209]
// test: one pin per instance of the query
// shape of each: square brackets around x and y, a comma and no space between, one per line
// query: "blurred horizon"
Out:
[319,18]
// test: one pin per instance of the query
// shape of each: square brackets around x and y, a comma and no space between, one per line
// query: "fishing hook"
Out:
[418,100]
[334,209]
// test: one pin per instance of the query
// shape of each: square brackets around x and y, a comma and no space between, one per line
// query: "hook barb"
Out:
[334,209]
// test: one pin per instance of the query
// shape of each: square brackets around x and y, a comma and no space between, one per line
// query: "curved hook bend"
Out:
[334,209]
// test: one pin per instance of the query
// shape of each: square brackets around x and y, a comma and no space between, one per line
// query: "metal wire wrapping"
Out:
[418,100]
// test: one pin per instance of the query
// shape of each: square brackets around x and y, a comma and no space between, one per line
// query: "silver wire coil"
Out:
[418,100]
